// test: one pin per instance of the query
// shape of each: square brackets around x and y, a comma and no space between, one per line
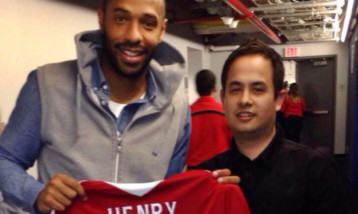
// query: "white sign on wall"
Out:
[290,71]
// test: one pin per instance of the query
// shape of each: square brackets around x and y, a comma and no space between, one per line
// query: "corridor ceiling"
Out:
[228,22]
[276,21]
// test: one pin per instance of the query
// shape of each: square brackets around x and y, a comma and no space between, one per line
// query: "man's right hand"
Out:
[58,193]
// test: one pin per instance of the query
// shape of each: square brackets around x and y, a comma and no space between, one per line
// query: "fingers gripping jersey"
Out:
[191,192]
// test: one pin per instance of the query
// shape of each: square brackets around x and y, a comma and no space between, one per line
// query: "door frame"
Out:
[334,57]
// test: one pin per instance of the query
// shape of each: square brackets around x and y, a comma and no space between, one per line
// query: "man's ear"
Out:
[279,99]
[100,18]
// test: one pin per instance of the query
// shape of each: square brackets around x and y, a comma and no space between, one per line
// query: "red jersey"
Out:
[191,192]
[209,132]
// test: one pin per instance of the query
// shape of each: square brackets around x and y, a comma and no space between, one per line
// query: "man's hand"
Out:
[224,176]
[58,193]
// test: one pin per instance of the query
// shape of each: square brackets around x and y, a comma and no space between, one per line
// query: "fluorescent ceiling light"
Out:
[347,19]
[223,48]
[234,24]
[227,20]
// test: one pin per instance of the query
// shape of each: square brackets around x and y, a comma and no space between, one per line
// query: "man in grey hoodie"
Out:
[114,114]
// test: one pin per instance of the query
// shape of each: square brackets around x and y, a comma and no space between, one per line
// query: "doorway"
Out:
[317,82]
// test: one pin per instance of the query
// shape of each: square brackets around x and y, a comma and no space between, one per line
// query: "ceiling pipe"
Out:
[203,19]
[243,10]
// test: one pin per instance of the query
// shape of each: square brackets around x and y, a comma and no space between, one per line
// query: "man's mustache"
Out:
[130,44]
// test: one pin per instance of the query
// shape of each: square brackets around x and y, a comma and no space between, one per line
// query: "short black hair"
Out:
[105,2]
[205,81]
[255,46]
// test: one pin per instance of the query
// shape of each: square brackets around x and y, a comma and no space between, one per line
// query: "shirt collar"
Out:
[206,98]
[97,78]
[151,85]
[267,156]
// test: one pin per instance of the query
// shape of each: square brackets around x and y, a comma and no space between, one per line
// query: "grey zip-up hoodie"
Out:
[80,138]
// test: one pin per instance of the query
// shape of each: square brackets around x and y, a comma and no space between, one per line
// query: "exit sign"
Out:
[291,51]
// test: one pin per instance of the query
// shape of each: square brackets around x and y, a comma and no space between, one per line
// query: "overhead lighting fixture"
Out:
[347,19]
[222,48]
[234,24]
[227,20]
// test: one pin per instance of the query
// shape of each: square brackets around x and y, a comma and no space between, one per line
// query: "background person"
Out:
[279,113]
[209,131]
[292,109]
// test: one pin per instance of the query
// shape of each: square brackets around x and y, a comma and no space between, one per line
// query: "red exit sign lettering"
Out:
[291,51]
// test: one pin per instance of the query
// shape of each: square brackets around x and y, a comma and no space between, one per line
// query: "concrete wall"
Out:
[187,47]
[34,33]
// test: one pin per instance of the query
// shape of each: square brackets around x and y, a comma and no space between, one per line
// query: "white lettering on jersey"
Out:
[140,209]
[126,208]
[155,208]
[172,207]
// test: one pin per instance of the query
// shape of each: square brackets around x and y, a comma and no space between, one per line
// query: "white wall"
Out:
[195,58]
[217,60]
[34,33]
[183,46]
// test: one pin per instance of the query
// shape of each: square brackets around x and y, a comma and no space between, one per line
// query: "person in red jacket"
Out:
[292,108]
[210,133]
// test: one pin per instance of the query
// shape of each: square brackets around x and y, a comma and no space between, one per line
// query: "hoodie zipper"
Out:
[118,139]
[118,152]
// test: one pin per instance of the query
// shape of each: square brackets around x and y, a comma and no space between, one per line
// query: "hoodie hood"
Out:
[167,65]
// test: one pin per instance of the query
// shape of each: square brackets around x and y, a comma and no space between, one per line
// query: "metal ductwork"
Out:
[316,20]
[275,21]
[240,8]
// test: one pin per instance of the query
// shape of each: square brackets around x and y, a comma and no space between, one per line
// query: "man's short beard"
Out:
[111,57]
